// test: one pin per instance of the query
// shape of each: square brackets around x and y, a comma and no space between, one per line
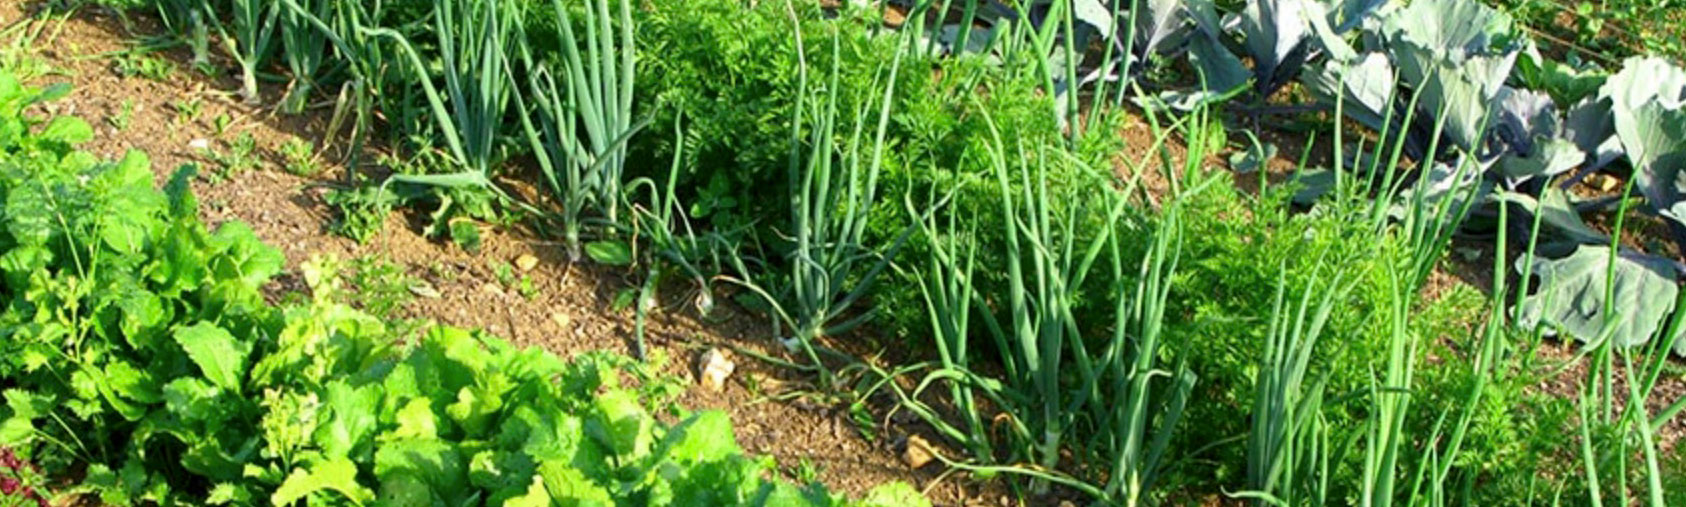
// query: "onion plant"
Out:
[305,50]
[662,229]
[369,65]
[1288,444]
[474,36]
[1070,398]
[1390,397]
[584,111]
[1103,401]
[474,42]
[833,187]
[946,284]
[942,8]
[1438,457]
[249,43]
[188,19]
[1614,416]
[1433,200]
[473,39]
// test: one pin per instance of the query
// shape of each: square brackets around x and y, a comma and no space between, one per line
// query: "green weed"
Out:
[187,110]
[298,156]
[220,124]
[143,65]
[124,117]
[241,156]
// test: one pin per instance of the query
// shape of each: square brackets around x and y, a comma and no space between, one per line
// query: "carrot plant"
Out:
[833,187]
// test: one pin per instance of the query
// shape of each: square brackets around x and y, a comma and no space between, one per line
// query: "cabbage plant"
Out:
[1447,60]
[1647,101]
[1278,36]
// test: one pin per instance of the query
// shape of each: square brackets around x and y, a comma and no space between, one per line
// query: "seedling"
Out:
[300,158]
[439,271]
[143,66]
[220,124]
[526,287]
[504,273]
[383,287]
[239,157]
[806,471]
[187,110]
[124,116]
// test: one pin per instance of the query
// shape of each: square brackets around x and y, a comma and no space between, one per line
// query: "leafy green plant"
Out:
[143,65]
[241,156]
[299,158]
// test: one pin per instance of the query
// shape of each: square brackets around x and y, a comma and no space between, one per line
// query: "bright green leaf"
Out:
[894,494]
[218,354]
[68,130]
[337,475]
[613,253]
[621,424]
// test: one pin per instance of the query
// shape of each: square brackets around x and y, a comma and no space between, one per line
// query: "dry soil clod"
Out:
[715,368]
[526,262]
[918,452]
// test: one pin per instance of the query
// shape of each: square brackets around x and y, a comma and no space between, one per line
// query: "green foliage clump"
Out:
[142,360]
[944,129]
[731,70]
[1514,447]
[1236,248]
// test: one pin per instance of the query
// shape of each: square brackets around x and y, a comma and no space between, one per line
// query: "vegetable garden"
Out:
[715,252]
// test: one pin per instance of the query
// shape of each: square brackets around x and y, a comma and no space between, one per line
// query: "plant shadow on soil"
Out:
[571,312]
